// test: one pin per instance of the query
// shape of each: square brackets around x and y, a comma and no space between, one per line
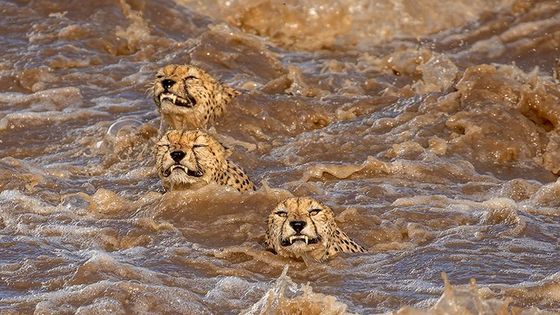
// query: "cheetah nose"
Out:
[297,225]
[177,156]
[167,83]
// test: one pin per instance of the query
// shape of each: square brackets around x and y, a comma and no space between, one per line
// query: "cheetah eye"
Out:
[314,211]
[159,76]
[281,213]
[191,77]
[199,146]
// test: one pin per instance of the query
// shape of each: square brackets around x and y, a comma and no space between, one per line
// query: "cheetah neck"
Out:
[233,176]
[182,118]
[223,96]
[340,242]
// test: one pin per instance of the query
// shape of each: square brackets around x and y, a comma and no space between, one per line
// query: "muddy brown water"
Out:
[430,127]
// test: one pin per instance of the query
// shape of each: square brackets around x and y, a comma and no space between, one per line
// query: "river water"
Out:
[431,128]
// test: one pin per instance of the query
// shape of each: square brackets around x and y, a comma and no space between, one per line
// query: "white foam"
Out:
[57,97]
[9,198]
[124,122]
[27,118]
[286,296]
[234,292]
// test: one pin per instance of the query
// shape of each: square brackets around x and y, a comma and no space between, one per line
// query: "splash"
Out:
[469,300]
[286,297]
[314,25]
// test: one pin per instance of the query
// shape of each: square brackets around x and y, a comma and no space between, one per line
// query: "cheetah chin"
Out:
[304,228]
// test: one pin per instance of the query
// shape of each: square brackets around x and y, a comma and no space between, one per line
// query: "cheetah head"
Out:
[189,159]
[188,97]
[303,227]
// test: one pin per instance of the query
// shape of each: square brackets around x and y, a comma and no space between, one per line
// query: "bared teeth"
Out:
[166,96]
[176,100]
[294,238]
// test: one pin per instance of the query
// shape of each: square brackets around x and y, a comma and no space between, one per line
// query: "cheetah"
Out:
[192,159]
[188,97]
[304,228]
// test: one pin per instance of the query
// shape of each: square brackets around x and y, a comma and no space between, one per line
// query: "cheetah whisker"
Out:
[149,89]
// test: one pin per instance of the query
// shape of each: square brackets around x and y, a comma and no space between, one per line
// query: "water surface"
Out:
[430,127]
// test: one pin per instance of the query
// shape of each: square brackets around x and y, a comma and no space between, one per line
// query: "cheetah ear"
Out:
[227,151]
[231,92]
[225,94]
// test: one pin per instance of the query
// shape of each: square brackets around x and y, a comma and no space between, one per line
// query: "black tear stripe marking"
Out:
[160,162]
[282,229]
[198,168]
[312,221]
[315,227]
[190,97]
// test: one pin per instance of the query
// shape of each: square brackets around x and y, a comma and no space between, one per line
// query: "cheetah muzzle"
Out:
[304,228]
[167,172]
[177,100]
[299,238]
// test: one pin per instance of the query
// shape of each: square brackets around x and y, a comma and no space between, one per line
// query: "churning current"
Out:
[431,128]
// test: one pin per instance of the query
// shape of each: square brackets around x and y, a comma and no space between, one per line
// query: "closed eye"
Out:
[314,211]
[282,214]
[199,146]
[191,77]
[159,76]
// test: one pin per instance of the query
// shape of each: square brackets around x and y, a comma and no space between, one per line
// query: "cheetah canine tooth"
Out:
[298,237]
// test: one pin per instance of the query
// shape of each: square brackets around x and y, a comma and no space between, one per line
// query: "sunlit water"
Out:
[430,127]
